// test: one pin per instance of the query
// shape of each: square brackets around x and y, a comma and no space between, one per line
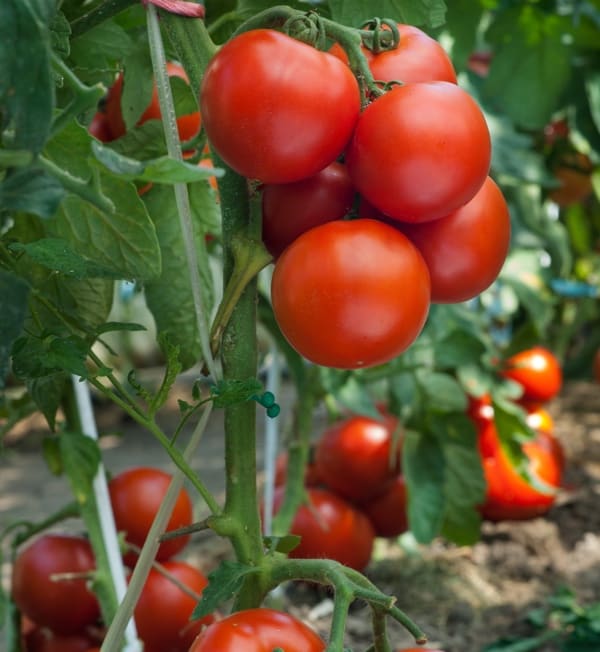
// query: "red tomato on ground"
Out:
[64,606]
[188,125]
[418,58]
[358,457]
[420,151]
[43,640]
[330,528]
[258,630]
[387,512]
[162,614]
[351,294]
[465,251]
[276,109]
[136,495]
[538,371]
[290,209]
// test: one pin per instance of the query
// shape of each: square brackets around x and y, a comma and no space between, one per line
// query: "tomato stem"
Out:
[98,15]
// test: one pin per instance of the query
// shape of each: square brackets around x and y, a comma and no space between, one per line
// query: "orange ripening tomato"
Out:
[538,372]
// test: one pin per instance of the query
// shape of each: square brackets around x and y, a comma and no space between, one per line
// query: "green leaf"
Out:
[35,357]
[459,348]
[282,544]
[442,392]
[462,21]
[57,255]
[223,584]
[142,143]
[124,241]
[26,83]
[14,292]
[80,457]
[423,467]
[112,326]
[357,399]
[232,392]
[60,32]
[137,84]
[429,13]
[69,149]
[47,392]
[475,379]
[100,47]
[31,190]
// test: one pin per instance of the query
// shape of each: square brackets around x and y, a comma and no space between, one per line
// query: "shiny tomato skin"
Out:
[162,614]
[358,456]
[539,419]
[420,151]
[276,109]
[465,250]
[538,372]
[290,209]
[136,495]
[258,630]
[480,410]
[387,512]
[330,528]
[351,294]
[67,606]
[418,58]
[43,640]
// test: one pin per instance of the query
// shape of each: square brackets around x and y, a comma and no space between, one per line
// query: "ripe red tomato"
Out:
[539,419]
[538,371]
[356,457]
[276,109]
[187,125]
[509,496]
[420,151]
[136,495]
[336,297]
[258,630]
[465,251]
[43,640]
[64,606]
[387,512]
[418,58]
[99,127]
[480,410]
[330,528]
[162,614]
[290,209]
[311,474]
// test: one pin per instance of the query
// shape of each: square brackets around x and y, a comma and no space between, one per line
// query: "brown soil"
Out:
[463,598]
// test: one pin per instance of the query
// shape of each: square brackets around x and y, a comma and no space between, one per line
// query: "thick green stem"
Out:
[98,15]
[381,642]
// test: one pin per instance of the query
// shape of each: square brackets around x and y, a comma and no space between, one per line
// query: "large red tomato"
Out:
[356,457]
[66,606]
[290,209]
[276,109]
[136,495]
[465,251]
[187,125]
[420,151]
[162,614]
[538,371]
[258,630]
[509,496]
[418,58]
[351,294]
[387,512]
[330,528]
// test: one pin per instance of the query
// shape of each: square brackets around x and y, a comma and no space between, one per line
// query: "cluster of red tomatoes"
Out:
[509,496]
[430,225]
[52,576]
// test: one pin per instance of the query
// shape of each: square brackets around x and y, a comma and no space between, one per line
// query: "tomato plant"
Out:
[335,293]
[136,495]
[538,371]
[465,251]
[276,109]
[64,605]
[420,151]
[290,209]
[188,125]
[258,630]
[330,528]
[162,614]
[358,457]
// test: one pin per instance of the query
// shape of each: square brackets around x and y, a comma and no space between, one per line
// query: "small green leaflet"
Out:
[231,392]
[15,294]
[430,13]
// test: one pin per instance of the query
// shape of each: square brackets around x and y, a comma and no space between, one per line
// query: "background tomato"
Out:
[162,614]
[336,297]
[418,58]
[330,528]
[290,209]
[136,495]
[99,127]
[276,109]
[43,640]
[188,125]
[574,174]
[64,606]
[538,371]
[420,151]
[465,251]
[312,477]
[387,512]
[358,457]
[258,630]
